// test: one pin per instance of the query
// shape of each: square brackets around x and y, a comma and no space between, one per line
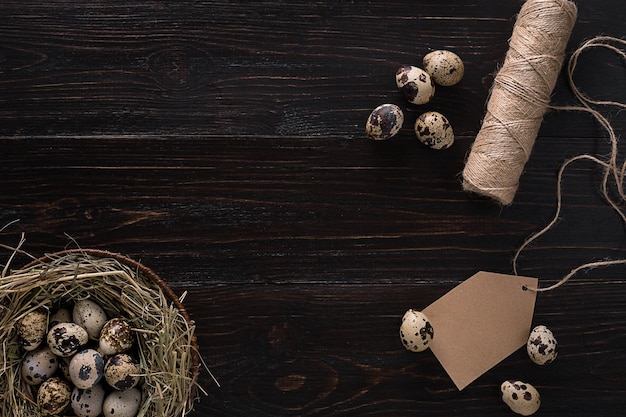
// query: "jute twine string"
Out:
[519,98]
[614,171]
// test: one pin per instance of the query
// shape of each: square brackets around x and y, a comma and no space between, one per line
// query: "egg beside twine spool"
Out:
[519,98]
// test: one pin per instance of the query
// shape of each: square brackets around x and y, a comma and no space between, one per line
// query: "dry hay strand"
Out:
[166,346]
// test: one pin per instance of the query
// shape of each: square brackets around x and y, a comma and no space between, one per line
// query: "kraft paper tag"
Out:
[480,322]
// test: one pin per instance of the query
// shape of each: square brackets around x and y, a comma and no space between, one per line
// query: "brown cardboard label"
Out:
[480,322]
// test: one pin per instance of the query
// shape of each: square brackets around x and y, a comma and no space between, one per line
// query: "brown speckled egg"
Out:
[122,403]
[444,67]
[53,396]
[416,332]
[88,402]
[39,365]
[86,368]
[65,339]
[62,315]
[522,398]
[90,316]
[415,84]
[384,122]
[434,130]
[121,371]
[32,329]
[116,337]
[541,346]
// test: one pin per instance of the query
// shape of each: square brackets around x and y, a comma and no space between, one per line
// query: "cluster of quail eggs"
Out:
[417,85]
[81,360]
[416,333]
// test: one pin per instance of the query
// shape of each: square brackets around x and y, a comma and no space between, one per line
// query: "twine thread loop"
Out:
[614,172]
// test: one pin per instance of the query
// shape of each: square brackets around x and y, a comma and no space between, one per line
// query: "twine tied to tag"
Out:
[614,171]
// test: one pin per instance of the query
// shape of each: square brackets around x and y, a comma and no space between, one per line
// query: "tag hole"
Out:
[524,288]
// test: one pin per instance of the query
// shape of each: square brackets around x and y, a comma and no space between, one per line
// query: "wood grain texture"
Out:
[222,144]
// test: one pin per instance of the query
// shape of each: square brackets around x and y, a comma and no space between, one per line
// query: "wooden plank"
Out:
[334,349]
[297,209]
[228,68]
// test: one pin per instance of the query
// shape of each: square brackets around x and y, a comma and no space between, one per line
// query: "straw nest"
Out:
[165,343]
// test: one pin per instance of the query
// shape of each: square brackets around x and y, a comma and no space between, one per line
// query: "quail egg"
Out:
[415,84]
[39,365]
[122,403]
[62,315]
[121,371]
[522,398]
[86,368]
[541,346]
[434,130]
[32,329]
[87,402]
[384,122]
[444,67]
[416,332]
[53,396]
[65,339]
[116,337]
[90,316]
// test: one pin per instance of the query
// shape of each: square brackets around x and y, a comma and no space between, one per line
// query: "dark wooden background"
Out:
[222,144]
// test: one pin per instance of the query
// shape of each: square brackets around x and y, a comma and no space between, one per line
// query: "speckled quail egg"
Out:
[541,346]
[415,84]
[522,398]
[444,67]
[90,316]
[434,130]
[53,396]
[62,315]
[122,403]
[384,122]
[88,402]
[32,329]
[39,365]
[121,371]
[416,332]
[86,368]
[116,337]
[65,339]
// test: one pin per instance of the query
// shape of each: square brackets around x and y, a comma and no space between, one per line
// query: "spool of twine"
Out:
[519,98]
